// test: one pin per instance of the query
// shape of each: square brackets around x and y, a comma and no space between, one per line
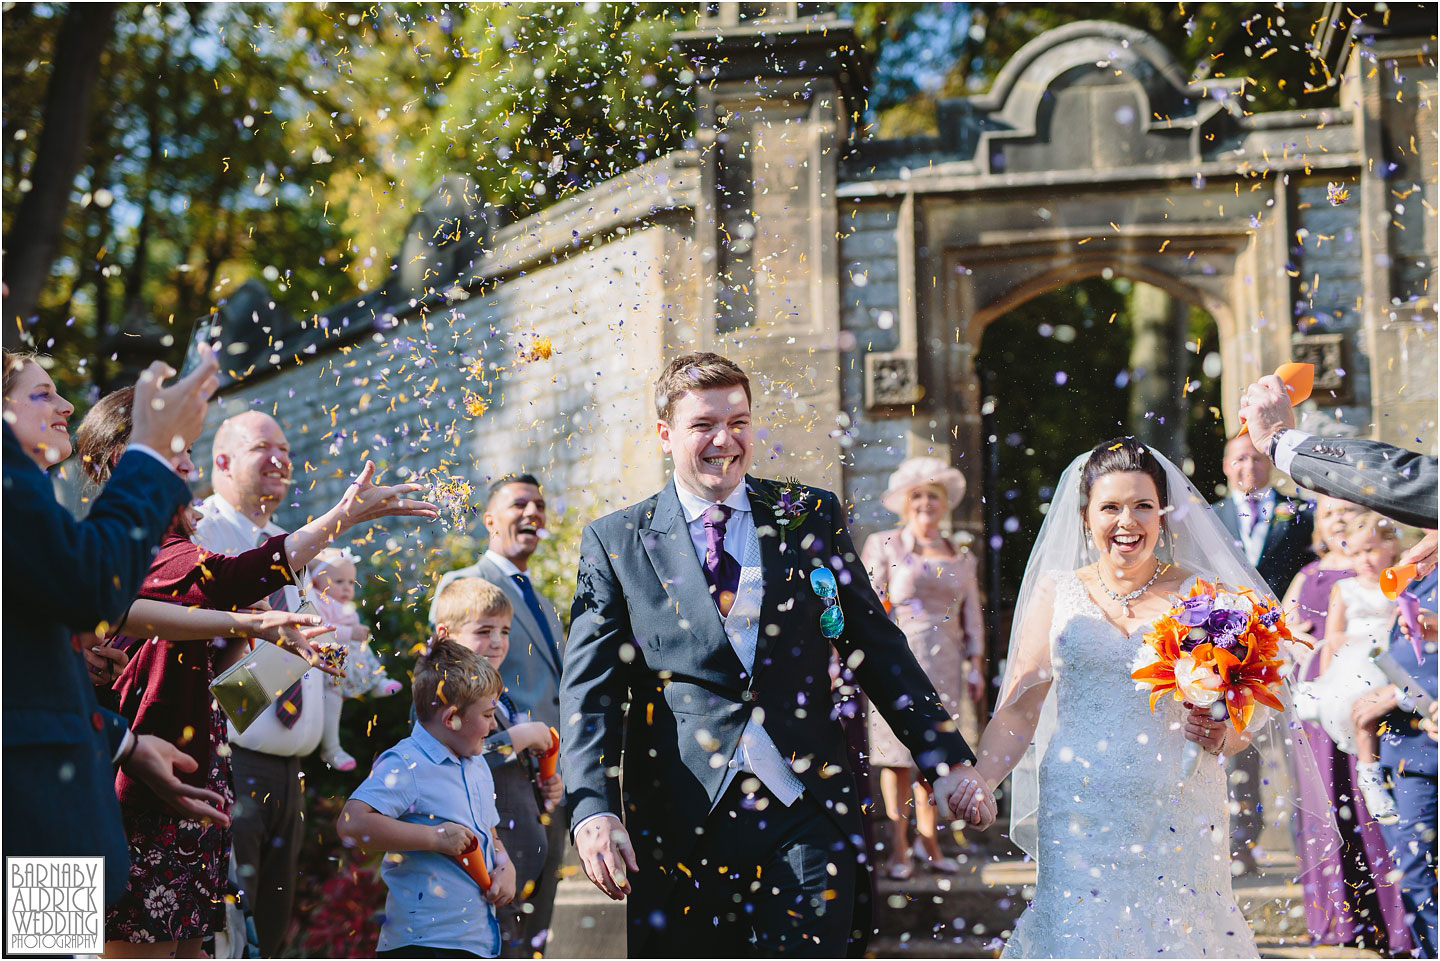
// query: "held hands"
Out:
[963,793]
[1205,730]
[1371,706]
[452,839]
[154,761]
[605,851]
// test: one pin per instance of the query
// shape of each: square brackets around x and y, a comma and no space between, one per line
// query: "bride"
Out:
[1133,855]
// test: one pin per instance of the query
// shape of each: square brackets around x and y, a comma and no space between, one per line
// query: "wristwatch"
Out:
[1274,443]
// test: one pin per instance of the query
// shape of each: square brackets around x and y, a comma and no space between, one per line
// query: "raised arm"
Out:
[1027,682]
[84,572]
[177,622]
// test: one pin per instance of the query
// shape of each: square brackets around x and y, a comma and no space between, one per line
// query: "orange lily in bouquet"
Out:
[1217,649]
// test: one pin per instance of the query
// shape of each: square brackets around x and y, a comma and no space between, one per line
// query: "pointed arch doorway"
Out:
[1063,368]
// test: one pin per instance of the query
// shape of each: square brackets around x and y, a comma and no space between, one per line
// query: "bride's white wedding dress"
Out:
[1133,860]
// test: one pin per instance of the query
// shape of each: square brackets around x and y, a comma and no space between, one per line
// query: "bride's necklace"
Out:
[1125,599]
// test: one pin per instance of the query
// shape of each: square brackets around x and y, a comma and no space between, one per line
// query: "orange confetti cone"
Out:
[1299,381]
[1393,580]
[473,861]
[550,758]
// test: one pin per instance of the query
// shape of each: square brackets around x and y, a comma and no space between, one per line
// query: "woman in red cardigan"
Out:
[178,866]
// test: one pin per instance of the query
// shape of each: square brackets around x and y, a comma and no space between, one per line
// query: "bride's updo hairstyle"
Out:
[1121,454]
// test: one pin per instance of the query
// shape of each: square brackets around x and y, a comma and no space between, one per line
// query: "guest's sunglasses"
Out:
[832,621]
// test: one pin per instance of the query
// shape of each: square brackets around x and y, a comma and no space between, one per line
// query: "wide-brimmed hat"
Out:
[922,470]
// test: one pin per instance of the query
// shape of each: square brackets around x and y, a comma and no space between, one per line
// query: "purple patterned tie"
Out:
[1252,517]
[721,570]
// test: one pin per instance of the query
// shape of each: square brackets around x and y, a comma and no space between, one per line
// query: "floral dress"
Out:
[179,869]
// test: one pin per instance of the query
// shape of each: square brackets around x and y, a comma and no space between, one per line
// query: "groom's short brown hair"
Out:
[691,372]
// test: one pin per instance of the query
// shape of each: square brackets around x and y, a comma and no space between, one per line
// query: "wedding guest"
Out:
[931,588]
[430,799]
[477,615]
[251,473]
[1355,904]
[1408,756]
[179,866]
[1393,481]
[514,518]
[331,589]
[1274,534]
[64,577]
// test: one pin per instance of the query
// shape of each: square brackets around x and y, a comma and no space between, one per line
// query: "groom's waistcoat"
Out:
[645,632]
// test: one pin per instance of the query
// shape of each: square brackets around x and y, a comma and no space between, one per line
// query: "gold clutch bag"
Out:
[256,682]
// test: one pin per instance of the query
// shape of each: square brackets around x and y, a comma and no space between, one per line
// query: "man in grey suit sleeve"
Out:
[1392,481]
[514,517]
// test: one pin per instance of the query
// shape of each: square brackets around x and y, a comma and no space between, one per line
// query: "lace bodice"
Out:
[1133,857]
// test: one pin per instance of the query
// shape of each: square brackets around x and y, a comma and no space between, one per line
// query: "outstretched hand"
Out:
[962,793]
[366,501]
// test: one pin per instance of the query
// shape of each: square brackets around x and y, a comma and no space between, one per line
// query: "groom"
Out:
[706,769]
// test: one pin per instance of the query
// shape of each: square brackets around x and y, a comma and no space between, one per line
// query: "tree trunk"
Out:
[1157,371]
[34,234]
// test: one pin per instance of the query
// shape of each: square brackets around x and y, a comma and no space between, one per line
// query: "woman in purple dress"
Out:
[1356,905]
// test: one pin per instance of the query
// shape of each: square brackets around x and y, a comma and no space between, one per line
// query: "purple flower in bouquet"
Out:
[1225,626]
[1270,617]
[1195,611]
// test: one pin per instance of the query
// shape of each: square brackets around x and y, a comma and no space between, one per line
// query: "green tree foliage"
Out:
[294,142]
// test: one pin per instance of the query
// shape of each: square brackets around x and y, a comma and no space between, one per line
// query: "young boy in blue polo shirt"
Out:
[426,801]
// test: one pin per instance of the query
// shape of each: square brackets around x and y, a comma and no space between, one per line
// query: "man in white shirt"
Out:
[251,475]
[1274,532]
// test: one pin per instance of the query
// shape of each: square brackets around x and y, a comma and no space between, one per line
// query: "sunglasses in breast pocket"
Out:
[832,618]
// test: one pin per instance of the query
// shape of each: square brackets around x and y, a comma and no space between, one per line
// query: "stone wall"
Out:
[582,419]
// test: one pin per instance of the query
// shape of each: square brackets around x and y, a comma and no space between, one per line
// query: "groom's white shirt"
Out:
[757,753]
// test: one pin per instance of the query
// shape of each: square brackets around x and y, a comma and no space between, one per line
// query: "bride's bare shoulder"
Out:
[1174,578]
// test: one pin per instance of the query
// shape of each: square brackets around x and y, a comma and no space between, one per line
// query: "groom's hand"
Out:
[605,851]
[963,793]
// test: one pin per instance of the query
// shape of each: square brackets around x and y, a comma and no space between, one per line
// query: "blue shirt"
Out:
[431,900]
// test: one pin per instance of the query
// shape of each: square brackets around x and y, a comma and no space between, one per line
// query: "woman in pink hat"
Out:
[929,583]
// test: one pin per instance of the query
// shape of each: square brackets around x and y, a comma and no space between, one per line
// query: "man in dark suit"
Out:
[514,517]
[1274,534]
[1389,480]
[62,578]
[1272,531]
[711,608]
[1408,758]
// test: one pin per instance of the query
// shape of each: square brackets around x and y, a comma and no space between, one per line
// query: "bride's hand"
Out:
[1205,730]
[963,794]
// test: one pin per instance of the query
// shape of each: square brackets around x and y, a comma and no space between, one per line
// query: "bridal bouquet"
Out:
[1218,649]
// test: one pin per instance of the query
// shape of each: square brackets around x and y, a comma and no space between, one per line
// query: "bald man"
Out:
[250,471]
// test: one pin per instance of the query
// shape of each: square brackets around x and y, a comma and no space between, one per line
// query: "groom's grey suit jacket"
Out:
[645,632]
